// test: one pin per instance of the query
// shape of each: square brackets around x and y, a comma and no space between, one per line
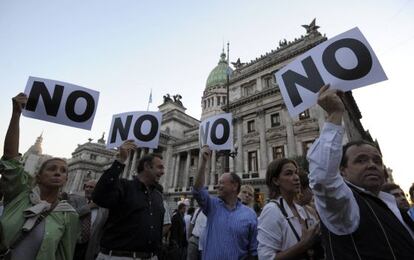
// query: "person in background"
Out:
[246,195]
[187,219]
[285,229]
[178,237]
[197,227]
[35,224]
[411,210]
[305,197]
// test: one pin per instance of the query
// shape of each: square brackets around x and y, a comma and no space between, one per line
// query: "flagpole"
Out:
[149,100]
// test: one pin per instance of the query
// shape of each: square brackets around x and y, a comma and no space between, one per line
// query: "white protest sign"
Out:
[60,102]
[142,127]
[217,132]
[346,61]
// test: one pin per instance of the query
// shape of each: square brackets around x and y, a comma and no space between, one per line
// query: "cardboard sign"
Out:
[143,127]
[346,61]
[217,132]
[60,102]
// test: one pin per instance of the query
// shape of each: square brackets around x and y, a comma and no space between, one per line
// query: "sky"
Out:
[123,49]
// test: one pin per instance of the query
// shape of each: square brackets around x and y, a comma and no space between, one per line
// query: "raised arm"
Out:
[200,178]
[11,142]
[109,191]
[334,200]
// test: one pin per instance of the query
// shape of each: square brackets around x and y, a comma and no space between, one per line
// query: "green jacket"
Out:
[21,207]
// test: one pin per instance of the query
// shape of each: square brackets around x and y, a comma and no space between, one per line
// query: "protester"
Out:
[178,237]
[285,229]
[35,223]
[305,197]
[94,223]
[187,219]
[359,221]
[411,210]
[231,227]
[398,193]
[197,227]
[246,195]
[136,211]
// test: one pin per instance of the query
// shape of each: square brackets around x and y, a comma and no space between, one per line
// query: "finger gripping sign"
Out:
[217,132]
[141,126]
[60,102]
[346,61]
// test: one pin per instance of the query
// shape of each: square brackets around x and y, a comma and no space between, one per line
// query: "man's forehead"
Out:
[356,150]
[397,191]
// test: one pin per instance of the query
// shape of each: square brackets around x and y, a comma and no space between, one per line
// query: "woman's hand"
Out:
[19,102]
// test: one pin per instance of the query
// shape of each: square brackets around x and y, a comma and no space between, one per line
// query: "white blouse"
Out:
[274,232]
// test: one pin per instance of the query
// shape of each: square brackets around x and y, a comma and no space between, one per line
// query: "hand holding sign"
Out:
[347,61]
[19,102]
[330,101]
[125,150]
[205,153]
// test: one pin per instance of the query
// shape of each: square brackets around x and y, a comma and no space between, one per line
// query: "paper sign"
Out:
[60,102]
[346,62]
[141,126]
[217,132]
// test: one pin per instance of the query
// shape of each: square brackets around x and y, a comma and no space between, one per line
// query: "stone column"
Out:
[187,169]
[291,140]
[231,164]
[263,144]
[127,166]
[240,152]
[176,170]
[172,171]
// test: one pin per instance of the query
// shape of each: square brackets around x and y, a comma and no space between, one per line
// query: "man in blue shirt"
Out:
[231,229]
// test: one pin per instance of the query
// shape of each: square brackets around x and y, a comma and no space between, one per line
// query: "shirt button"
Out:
[150,213]
[149,242]
[151,227]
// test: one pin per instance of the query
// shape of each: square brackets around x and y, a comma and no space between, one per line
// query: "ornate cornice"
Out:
[252,98]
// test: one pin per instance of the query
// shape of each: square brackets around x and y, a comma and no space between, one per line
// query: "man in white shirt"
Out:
[359,221]
[197,227]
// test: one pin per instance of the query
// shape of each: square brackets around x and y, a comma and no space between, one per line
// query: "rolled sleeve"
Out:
[203,199]
[14,179]
[334,200]
[108,191]
[269,234]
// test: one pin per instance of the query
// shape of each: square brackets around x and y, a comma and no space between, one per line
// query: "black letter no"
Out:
[226,131]
[361,52]
[70,106]
[153,130]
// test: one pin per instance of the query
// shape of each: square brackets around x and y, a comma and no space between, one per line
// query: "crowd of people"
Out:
[342,209]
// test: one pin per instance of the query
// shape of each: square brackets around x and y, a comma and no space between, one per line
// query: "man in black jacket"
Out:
[178,237]
[136,210]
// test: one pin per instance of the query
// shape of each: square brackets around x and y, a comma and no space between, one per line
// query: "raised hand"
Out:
[19,102]
[330,101]
[125,150]
[205,153]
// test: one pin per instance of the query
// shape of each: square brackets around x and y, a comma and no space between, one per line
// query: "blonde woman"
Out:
[34,225]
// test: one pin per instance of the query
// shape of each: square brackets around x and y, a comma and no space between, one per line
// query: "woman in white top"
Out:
[285,229]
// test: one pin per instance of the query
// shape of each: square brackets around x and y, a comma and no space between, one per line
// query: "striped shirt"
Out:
[229,234]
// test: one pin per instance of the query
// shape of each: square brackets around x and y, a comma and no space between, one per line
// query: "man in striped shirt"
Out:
[231,229]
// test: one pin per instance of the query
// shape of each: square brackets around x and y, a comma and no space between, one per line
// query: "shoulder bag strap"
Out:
[282,209]
[24,234]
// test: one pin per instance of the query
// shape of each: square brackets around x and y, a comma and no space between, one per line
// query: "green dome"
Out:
[218,74]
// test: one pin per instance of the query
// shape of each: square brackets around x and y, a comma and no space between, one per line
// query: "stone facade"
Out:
[263,130]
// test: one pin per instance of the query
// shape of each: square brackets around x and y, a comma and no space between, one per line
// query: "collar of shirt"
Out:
[289,212]
[238,204]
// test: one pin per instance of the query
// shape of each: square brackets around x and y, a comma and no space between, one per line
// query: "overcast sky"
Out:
[125,48]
